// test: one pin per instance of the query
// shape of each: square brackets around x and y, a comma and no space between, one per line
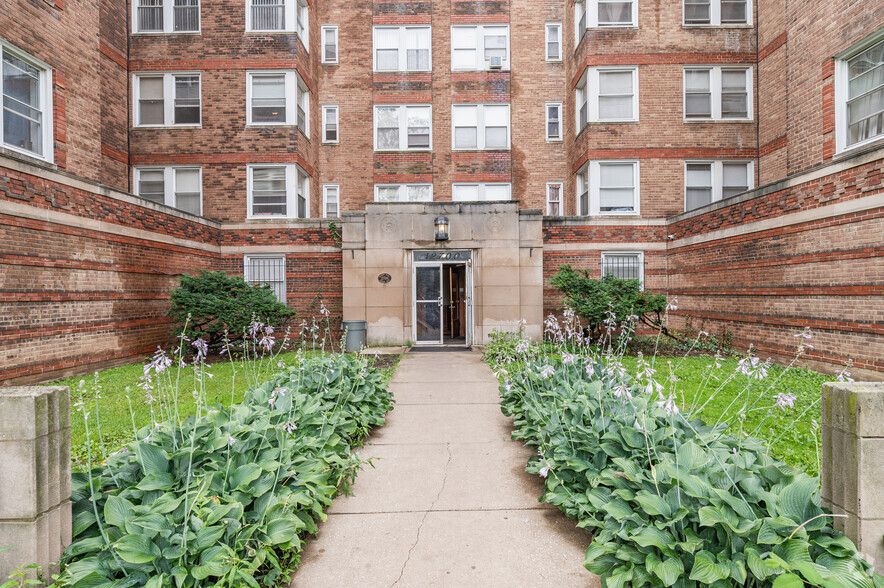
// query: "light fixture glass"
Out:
[441,224]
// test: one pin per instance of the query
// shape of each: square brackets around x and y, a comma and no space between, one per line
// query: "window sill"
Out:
[559,140]
[330,143]
[493,150]
[503,70]
[721,26]
[612,122]
[164,34]
[275,217]
[330,62]
[389,151]
[26,156]
[137,127]
[718,120]
[271,32]
[401,71]
[856,148]
[270,125]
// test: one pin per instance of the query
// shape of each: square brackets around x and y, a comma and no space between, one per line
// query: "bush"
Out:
[227,496]
[217,303]
[593,299]
[671,501]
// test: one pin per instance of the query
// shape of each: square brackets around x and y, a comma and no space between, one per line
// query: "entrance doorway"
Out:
[443,301]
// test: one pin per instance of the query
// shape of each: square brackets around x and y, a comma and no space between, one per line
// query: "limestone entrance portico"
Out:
[492,265]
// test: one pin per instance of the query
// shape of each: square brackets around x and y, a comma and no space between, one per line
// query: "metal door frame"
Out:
[469,314]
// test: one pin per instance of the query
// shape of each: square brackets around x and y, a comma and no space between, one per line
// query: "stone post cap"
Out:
[854,407]
[28,412]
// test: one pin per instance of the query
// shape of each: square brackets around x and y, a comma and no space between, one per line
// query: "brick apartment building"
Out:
[727,152]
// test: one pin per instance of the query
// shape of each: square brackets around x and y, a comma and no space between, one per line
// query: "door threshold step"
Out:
[423,348]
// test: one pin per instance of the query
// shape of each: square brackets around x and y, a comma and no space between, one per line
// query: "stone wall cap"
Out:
[30,391]
[856,408]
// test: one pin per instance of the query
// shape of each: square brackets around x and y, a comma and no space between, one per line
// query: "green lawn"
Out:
[794,438]
[119,390]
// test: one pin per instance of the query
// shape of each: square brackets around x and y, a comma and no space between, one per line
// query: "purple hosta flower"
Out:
[501,373]
[785,401]
[159,363]
[544,471]
[255,327]
[290,428]
[611,321]
[844,375]
[668,405]
[202,349]
[804,335]
[621,390]
[638,426]
[230,441]
[266,342]
[568,358]
[323,310]
[79,405]
[523,347]
[672,305]
[653,386]
[276,392]
[717,360]
[590,370]
[752,367]
[547,372]
[703,334]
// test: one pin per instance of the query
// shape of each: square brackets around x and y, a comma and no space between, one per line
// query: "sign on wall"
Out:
[443,255]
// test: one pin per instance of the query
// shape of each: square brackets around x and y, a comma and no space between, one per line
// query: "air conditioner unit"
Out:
[496,62]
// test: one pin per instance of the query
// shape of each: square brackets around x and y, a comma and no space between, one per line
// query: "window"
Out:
[624,265]
[166,16]
[331,201]
[480,47]
[607,95]
[859,93]
[329,43]
[608,187]
[403,192]
[554,199]
[402,128]
[603,13]
[553,121]
[266,270]
[717,12]
[277,98]
[285,16]
[709,181]
[26,86]
[481,192]
[402,48]
[481,126]
[170,99]
[179,187]
[716,93]
[553,41]
[278,191]
[330,123]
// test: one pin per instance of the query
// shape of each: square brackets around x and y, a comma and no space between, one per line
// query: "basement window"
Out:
[626,265]
[266,270]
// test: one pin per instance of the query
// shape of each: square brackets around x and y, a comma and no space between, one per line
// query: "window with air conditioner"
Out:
[278,191]
[277,98]
[403,127]
[478,127]
[480,47]
[167,99]
[859,94]
[717,93]
[266,270]
[26,86]
[717,12]
[608,188]
[178,187]
[403,48]
[710,181]
[403,192]
[480,192]
[166,16]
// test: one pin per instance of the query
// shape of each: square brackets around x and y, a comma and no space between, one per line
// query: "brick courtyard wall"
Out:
[805,251]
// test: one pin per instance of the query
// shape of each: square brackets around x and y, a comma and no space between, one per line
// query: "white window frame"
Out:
[639,255]
[296,13]
[842,92]
[403,191]
[480,127]
[325,30]
[401,48]
[403,126]
[293,176]
[481,191]
[558,27]
[588,89]
[718,176]
[561,200]
[591,10]
[296,91]
[716,90]
[715,16]
[46,105]
[593,169]
[326,108]
[550,138]
[168,20]
[248,278]
[326,188]
[482,64]
[169,182]
[168,98]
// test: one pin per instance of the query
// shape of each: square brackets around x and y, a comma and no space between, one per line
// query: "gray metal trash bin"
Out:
[355,334]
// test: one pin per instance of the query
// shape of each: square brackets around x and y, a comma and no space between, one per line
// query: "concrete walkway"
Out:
[448,502]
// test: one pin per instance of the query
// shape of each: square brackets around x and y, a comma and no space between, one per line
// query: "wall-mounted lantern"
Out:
[441,224]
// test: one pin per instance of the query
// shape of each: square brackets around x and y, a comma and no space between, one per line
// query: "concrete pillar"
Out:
[853,463]
[35,476]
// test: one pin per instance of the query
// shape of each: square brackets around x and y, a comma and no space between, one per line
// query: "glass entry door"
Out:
[428,303]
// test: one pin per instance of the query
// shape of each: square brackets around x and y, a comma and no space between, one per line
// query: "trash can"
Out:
[355,334]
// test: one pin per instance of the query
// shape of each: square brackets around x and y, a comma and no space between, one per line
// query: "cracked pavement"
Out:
[447,501]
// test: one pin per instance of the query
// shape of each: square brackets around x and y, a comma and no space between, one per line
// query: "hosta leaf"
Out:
[796,501]
[162,481]
[208,536]
[620,578]
[156,581]
[707,570]
[82,521]
[281,531]
[244,475]
[788,581]
[653,504]
[691,456]
[153,460]
[117,511]
[618,508]
[136,549]
[669,570]
[760,568]
[654,537]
